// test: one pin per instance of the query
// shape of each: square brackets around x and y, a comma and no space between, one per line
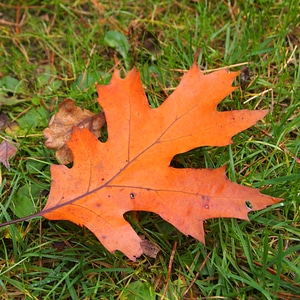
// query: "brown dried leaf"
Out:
[61,124]
[7,150]
[149,248]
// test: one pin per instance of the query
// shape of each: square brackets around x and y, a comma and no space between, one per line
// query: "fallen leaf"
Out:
[245,77]
[7,150]
[3,120]
[149,248]
[60,128]
[131,171]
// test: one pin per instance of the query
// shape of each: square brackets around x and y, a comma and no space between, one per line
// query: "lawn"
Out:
[52,50]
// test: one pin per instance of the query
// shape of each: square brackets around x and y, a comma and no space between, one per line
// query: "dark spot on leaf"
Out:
[205,198]
[132,195]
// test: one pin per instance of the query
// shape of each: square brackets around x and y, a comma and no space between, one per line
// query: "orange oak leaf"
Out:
[131,171]
[60,128]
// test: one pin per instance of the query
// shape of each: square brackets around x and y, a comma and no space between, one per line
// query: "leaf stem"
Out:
[39,214]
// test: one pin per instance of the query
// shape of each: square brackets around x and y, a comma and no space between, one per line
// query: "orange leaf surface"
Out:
[131,171]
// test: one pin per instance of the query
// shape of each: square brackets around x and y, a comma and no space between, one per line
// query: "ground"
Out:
[52,50]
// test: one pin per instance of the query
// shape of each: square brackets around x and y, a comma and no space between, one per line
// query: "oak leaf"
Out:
[60,128]
[131,171]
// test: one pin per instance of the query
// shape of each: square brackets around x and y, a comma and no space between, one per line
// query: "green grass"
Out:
[59,50]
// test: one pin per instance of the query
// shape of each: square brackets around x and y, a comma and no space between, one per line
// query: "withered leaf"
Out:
[7,150]
[61,124]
